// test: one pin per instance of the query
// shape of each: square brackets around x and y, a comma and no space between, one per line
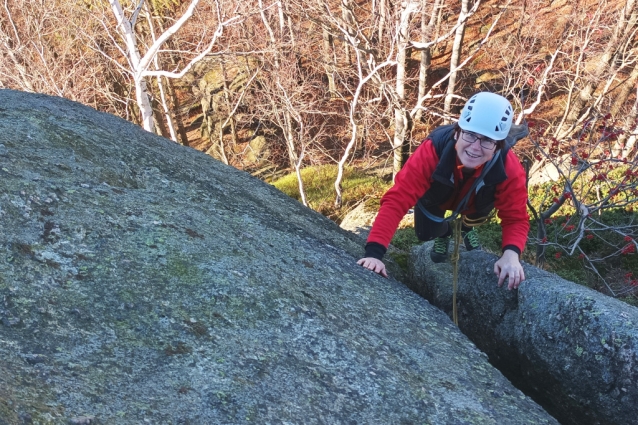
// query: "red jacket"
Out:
[415,178]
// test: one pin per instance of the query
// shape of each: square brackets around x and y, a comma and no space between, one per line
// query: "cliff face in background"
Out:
[143,281]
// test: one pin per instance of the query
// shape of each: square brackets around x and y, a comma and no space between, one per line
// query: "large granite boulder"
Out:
[144,282]
[574,350]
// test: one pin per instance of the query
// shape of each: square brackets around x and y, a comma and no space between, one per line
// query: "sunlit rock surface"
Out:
[144,282]
[573,349]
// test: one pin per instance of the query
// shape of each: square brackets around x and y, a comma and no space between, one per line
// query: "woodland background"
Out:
[287,86]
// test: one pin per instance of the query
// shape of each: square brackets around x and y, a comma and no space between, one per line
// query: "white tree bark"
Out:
[400,114]
[426,45]
[9,43]
[455,58]
[135,62]
[382,17]
[139,65]
[427,25]
[541,88]
[346,15]
[354,104]
[287,119]
[170,122]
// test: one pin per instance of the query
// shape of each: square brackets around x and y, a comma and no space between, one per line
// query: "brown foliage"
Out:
[67,49]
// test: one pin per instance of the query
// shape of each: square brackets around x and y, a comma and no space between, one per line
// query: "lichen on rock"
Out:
[141,280]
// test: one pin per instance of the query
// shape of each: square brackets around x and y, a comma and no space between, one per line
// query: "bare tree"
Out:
[289,95]
[456,55]
[624,29]
[139,64]
[430,94]
[402,119]
[427,29]
[590,183]
[286,123]
[41,53]
[364,78]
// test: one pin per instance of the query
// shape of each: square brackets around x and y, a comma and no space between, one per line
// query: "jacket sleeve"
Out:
[511,203]
[409,185]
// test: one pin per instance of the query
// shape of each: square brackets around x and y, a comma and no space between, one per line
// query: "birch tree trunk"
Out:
[626,20]
[382,17]
[455,59]
[170,100]
[346,15]
[627,139]
[141,91]
[168,113]
[427,27]
[401,116]
[329,65]
[139,65]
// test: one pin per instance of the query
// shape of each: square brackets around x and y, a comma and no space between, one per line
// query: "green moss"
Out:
[7,413]
[401,259]
[214,76]
[41,411]
[357,186]
[126,295]
[405,239]
[631,300]
[183,270]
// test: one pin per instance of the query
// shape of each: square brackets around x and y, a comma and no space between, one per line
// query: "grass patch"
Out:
[357,187]
[401,258]
[404,239]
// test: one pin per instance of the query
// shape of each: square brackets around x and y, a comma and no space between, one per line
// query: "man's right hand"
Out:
[373,264]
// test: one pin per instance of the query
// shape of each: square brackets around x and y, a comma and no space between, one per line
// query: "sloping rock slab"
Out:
[574,349]
[144,282]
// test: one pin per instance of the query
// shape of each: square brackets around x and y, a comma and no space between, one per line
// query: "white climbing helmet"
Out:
[488,114]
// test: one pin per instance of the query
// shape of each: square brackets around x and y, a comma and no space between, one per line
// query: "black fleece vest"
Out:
[442,181]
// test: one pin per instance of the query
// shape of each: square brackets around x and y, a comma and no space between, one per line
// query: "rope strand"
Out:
[455,265]
[458,237]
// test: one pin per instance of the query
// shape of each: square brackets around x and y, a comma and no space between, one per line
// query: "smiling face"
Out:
[472,154]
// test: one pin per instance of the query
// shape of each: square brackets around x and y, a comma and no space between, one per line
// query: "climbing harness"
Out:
[457,219]
[458,237]
[463,204]
[515,133]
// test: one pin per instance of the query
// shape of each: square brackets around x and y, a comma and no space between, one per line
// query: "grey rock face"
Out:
[144,282]
[574,349]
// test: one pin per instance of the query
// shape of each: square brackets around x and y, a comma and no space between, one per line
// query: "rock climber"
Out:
[468,168]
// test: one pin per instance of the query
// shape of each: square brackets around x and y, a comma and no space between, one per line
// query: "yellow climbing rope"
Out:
[458,237]
[455,264]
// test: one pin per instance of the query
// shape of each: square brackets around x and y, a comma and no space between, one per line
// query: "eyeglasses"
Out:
[485,142]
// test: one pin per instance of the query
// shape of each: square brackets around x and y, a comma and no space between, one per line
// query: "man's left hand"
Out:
[509,266]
